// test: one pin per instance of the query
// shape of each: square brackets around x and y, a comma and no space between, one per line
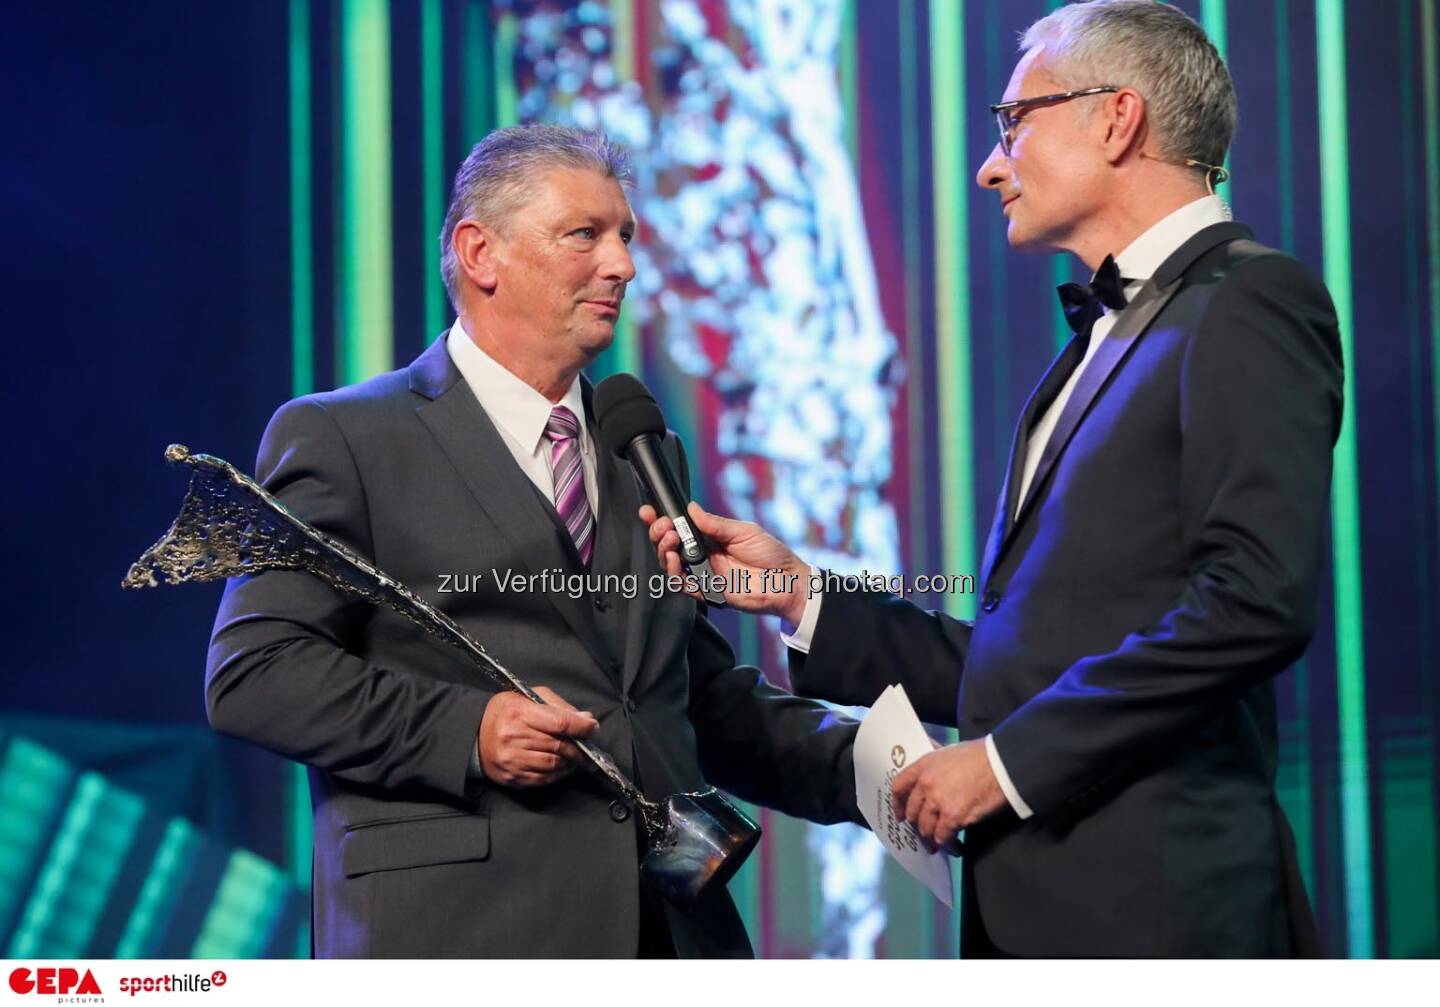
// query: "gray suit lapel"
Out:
[623,546]
[473,446]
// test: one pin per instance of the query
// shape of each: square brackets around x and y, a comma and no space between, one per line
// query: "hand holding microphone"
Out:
[735,562]
[761,573]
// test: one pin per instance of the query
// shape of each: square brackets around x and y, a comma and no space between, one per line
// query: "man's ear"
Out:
[475,251]
[1125,123]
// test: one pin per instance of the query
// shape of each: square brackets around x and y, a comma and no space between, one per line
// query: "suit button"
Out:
[600,605]
[618,811]
[630,705]
[614,666]
[991,601]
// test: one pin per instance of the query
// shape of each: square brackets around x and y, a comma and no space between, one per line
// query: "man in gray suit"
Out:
[448,821]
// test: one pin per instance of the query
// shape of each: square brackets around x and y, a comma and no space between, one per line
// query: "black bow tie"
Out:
[1082,301]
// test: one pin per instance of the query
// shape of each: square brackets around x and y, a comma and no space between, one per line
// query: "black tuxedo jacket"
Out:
[412,858]
[1162,570]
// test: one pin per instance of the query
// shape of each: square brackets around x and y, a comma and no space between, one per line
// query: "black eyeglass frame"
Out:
[1001,110]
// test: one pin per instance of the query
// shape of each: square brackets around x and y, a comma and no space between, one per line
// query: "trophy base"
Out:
[706,841]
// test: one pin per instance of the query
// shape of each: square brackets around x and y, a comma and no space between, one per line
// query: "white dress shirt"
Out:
[1137,263]
[520,413]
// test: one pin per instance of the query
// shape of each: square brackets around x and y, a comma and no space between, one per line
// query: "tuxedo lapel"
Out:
[1044,393]
[1112,352]
[1040,399]
[474,447]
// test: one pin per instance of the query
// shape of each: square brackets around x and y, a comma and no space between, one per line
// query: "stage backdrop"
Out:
[214,207]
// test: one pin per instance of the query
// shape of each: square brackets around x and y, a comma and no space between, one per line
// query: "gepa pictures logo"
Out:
[54,981]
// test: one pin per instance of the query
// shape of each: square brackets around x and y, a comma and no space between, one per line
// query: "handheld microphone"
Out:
[632,427]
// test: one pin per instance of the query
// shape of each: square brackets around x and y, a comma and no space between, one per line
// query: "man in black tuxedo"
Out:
[1155,554]
[448,821]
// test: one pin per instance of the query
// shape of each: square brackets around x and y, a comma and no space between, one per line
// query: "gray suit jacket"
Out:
[413,857]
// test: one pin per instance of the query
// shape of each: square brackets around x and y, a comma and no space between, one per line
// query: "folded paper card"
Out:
[890,738]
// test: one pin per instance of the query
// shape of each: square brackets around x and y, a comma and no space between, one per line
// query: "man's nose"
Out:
[994,171]
[618,266]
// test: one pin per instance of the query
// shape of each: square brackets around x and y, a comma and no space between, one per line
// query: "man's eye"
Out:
[627,236]
[585,232]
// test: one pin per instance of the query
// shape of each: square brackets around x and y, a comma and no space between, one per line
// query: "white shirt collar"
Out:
[510,402]
[1148,252]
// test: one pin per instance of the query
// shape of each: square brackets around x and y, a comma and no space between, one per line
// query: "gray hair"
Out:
[1157,50]
[499,176]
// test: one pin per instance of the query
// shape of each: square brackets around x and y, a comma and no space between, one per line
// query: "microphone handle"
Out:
[644,455]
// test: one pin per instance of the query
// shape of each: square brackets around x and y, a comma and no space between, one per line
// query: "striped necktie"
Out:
[568,473]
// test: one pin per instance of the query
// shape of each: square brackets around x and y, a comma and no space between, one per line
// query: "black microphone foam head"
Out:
[625,409]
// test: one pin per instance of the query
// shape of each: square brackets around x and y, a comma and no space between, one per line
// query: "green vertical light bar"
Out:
[1285,142]
[1212,19]
[1002,420]
[1301,801]
[477,72]
[952,293]
[1406,763]
[33,782]
[160,890]
[507,33]
[299,827]
[302,267]
[242,916]
[1430,76]
[1062,271]
[849,64]
[432,164]
[299,843]
[1408,829]
[364,341]
[950,186]
[625,352]
[80,870]
[910,229]
[1430,88]
[622,39]
[1345,489]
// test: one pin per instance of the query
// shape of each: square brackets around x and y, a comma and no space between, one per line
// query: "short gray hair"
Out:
[1160,52]
[499,175]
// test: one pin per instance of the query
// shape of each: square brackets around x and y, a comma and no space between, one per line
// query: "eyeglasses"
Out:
[1008,122]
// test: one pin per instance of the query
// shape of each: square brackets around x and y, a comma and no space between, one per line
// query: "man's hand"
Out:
[946,790]
[771,578]
[524,744]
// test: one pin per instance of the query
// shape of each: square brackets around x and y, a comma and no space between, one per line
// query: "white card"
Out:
[891,738]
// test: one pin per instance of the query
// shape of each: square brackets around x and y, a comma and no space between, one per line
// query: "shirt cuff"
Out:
[998,768]
[800,639]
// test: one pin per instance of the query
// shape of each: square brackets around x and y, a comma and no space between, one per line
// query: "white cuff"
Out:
[998,768]
[800,639]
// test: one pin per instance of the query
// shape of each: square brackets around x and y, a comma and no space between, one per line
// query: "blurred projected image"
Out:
[754,273]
